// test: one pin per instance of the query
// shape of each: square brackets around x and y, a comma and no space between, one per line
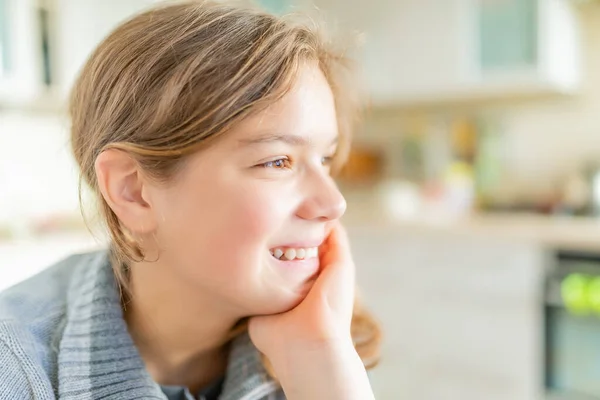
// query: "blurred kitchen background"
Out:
[473,187]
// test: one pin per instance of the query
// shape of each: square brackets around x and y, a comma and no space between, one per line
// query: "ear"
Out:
[122,184]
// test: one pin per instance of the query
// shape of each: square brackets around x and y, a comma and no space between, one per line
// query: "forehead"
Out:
[307,110]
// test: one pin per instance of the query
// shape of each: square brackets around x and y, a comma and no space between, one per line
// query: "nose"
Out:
[323,201]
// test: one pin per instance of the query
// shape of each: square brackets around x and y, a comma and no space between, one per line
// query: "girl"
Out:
[208,133]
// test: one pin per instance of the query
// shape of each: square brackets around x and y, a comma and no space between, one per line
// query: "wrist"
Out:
[294,355]
[323,371]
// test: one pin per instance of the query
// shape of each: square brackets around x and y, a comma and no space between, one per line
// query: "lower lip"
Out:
[305,265]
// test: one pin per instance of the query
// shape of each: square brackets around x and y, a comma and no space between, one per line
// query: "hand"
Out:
[310,346]
[324,316]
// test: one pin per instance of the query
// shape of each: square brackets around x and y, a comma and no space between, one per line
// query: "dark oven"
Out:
[572,327]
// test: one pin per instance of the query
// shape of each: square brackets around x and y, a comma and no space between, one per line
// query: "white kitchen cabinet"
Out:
[48,42]
[415,52]
[20,60]
[80,27]
[525,47]
[422,52]
[278,6]
[461,313]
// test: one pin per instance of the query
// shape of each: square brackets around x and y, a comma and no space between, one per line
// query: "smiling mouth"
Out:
[293,254]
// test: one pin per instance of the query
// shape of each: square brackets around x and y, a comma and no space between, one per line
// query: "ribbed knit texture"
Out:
[62,335]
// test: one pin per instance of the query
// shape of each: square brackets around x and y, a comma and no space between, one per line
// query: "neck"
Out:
[180,334]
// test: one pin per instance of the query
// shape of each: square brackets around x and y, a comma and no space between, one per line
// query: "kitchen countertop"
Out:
[565,233]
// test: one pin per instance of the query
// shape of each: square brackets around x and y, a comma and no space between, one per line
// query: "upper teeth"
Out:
[295,253]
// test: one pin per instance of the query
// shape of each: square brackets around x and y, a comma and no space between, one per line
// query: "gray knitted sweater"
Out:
[62,335]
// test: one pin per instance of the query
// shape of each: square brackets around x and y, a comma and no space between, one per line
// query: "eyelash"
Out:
[285,163]
[326,161]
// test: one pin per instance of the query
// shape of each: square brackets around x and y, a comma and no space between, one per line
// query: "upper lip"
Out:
[301,244]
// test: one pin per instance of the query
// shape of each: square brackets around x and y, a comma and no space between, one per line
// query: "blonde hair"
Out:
[174,78]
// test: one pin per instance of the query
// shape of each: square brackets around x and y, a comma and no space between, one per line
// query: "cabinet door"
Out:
[415,50]
[276,6]
[20,68]
[409,49]
[4,39]
[508,35]
[461,313]
[423,52]
[80,27]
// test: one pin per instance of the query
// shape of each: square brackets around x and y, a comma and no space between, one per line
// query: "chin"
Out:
[288,300]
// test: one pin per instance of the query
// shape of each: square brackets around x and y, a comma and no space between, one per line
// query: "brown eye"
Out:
[280,163]
[326,161]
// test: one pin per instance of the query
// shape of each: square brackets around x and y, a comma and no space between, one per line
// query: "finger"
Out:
[336,247]
[336,280]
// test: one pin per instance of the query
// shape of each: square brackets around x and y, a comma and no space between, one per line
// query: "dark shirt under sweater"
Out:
[211,392]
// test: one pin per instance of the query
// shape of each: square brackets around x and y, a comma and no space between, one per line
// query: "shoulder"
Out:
[19,378]
[32,316]
[43,296]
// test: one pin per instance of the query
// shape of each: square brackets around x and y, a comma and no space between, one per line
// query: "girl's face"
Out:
[262,190]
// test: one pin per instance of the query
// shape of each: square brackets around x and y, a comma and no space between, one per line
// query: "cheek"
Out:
[253,215]
[226,227]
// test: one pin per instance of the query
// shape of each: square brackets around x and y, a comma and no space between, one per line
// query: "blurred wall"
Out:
[545,138]
[37,172]
[563,133]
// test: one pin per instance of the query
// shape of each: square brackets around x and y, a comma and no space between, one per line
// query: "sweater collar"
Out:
[97,355]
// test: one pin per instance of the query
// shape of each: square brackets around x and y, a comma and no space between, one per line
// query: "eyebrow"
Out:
[294,140]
